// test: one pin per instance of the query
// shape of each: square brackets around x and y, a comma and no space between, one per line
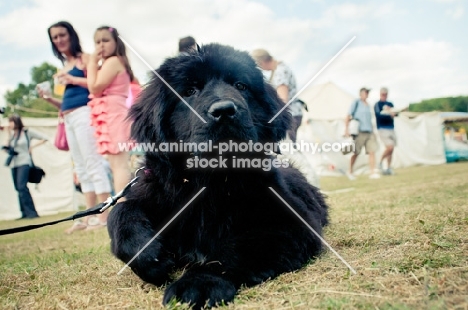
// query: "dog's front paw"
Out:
[201,290]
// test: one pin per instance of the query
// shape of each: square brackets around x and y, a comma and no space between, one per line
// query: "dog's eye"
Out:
[189,92]
[240,86]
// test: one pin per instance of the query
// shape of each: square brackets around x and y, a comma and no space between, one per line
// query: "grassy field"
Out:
[406,236]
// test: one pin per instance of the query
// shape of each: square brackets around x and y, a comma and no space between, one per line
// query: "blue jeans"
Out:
[20,179]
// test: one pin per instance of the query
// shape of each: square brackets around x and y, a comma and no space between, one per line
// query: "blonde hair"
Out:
[261,55]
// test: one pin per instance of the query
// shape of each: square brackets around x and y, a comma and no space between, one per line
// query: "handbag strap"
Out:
[61,118]
[16,141]
[355,108]
[27,141]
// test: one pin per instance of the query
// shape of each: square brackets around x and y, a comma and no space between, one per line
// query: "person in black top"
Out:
[384,115]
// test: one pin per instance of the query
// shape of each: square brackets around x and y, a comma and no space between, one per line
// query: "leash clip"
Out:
[112,200]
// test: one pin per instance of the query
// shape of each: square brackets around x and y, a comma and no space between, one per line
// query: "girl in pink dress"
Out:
[109,87]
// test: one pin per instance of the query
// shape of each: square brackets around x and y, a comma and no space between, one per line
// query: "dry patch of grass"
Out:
[406,235]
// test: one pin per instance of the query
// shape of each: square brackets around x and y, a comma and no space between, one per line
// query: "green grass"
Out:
[406,235]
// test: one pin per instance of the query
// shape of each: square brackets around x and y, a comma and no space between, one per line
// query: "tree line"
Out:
[24,100]
[449,104]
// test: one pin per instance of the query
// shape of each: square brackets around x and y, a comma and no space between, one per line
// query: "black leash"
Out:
[111,201]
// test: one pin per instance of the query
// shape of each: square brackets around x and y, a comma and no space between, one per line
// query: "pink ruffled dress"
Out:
[108,115]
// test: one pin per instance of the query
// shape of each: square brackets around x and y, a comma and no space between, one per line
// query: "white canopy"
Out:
[419,142]
[326,102]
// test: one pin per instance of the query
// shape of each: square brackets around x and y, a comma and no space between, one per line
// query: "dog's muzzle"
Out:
[222,110]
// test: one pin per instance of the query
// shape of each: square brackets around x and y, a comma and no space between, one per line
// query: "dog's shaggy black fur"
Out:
[237,232]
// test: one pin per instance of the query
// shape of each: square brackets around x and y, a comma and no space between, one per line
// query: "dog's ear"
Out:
[147,114]
[282,121]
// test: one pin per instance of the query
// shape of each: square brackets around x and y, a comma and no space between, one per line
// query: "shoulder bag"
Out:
[353,126]
[35,173]
[61,138]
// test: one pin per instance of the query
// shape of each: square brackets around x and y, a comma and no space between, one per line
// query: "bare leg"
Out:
[371,162]
[103,216]
[386,153]
[120,170]
[384,156]
[90,200]
[121,174]
[353,160]
[389,156]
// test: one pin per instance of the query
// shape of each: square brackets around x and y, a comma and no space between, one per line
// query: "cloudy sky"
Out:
[416,48]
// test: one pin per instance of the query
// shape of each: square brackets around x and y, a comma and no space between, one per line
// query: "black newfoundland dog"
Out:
[237,231]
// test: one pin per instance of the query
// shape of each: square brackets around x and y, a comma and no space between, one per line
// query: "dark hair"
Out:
[187,43]
[120,50]
[16,119]
[75,47]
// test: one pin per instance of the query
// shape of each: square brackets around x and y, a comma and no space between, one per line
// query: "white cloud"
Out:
[456,10]
[153,29]
[412,72]
[355,17]
[455,13]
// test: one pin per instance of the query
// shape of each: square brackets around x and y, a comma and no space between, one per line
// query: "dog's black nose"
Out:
[222,109]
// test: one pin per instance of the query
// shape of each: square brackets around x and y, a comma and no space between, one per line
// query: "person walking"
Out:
[384,116]
[361,111]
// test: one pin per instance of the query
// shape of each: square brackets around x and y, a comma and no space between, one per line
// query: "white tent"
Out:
[326,102]
[420,139]
[56,192]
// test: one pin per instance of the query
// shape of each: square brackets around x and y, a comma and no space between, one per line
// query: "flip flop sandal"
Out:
[95,223]
[78,225]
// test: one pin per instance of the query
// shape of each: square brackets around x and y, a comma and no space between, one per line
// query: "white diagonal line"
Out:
[318,236]
[317,74]
[160,231]
[164,81]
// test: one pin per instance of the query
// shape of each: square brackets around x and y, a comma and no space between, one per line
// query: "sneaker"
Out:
[374,175]
[351,176]
[389,171]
